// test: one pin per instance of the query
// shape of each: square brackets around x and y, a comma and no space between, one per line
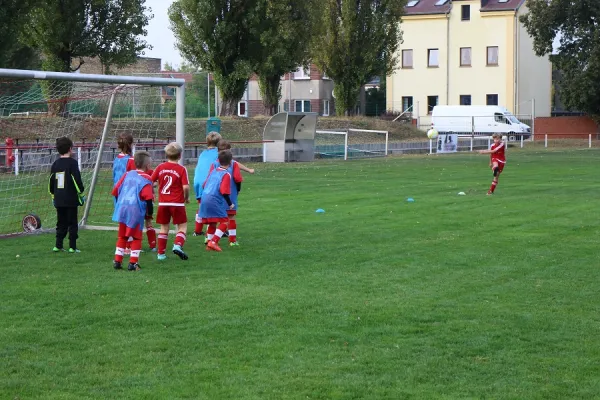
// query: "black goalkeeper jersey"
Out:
[65,183]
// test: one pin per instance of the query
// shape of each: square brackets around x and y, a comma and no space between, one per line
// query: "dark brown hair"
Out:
[63,145]
[125,142]
[225,158]
[141,159]
[223,145]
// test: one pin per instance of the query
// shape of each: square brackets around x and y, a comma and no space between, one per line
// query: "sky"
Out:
[160,36]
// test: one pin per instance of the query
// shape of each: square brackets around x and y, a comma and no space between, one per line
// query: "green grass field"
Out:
[449,297]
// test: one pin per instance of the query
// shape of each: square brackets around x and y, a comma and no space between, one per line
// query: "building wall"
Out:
[420,34]
[565,127]
[534,76]
[144,65]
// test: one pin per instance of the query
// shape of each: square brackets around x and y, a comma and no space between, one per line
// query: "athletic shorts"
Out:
[231,212]
[166,214]
[500,165]
[127,232]
[214,220]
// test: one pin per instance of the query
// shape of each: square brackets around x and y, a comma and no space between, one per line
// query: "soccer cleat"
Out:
[74,251]
[134,267]
[233,244]
[489,193]
[117,265]
[178,251]
[212,246]
[198,234]
[225,234]
[154,250]
[161,257]
[57,250]
[206,240]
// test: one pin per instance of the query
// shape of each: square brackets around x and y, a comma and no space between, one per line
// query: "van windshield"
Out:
[512,118]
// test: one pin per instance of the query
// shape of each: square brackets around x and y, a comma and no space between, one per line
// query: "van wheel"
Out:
[511,137]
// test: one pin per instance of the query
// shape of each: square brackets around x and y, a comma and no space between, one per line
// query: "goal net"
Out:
[351,144]
[36,108]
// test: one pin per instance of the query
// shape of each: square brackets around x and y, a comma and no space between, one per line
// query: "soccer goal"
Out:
[331,144]
[351,144]
[37,107]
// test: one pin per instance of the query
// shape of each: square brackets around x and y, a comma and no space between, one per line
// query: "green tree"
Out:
[285,36]
[358,40]
[578,57]
[13,53]
[67,30]
[219,36]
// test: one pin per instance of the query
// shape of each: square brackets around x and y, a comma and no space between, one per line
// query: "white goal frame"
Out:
[345,134]
[179,84]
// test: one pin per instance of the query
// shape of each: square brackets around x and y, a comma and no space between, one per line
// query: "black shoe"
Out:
[225,234]
[117,265]
[198,234]
[133,267]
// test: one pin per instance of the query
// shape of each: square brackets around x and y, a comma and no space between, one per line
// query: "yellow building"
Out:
[471,53]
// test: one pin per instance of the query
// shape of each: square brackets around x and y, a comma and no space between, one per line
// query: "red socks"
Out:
[210,232]
[136,248]
[493,187]
[151,235]
[232,231]
[180,239]
[121,243]
[219,232]
[162,243]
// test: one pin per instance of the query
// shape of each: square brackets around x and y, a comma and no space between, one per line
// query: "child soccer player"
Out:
[134,195]
[173,194]
[234,170]
[216,201]
[497,159]
[205,161]
[66,189]
[123,163]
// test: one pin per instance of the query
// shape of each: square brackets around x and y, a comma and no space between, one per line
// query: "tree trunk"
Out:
[229,107]
[231,91]
[57,93]
[346,98]
[270,89]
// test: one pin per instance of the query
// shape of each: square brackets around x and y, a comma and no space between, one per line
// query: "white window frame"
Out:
[239,108]
[431,58]
[302,102]
[326,105]
[325,77]
[412,61]
[302,74]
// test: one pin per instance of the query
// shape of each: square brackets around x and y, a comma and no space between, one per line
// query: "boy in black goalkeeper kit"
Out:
[66,189]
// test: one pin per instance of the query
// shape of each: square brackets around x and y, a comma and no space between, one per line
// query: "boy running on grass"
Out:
[205,160]
[497,159]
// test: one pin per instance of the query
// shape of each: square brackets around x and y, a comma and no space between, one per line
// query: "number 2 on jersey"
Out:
[167,186]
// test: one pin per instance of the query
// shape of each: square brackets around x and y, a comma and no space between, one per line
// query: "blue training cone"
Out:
[320,210]
[410,200]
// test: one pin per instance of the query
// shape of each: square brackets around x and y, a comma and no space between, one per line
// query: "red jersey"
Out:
[130,162]
[146,194]
[499,155]
[237,173]
[171,178]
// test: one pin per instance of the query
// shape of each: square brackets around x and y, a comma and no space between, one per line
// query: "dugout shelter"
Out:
[289,137]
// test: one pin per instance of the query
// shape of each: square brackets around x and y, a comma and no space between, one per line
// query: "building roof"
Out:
[178,75]
[424,7]
[496,5]
[429,7]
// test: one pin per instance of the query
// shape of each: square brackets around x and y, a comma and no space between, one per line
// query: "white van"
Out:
[487,120]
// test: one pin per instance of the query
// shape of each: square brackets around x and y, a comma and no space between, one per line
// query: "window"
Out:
[465,56]
[491,99]
[285,106]
[302,73]
[441,2]
[326,108]
[302,106]
[407,58]
[407,103]
[500,118]
[465,99]
[242,109]
[412,3]
[432,101]
[492,55]
[465,12]
[433,56]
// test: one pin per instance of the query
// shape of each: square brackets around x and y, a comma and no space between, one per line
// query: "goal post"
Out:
[331,144]
[37,107]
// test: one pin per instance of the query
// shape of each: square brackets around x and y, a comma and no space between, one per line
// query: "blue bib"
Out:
[119,168]
[205,160]
[213,203]
[234,192]
[130,209]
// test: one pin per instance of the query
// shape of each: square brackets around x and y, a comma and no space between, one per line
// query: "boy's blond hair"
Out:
[141,159]
[497,136]
[173,151]
[223,145]
[212,140]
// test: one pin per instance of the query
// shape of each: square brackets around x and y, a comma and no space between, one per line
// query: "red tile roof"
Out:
[428,7]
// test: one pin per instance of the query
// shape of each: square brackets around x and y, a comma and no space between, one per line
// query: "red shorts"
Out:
[214,220]
[127,232]
[500,165]
[231,212]
[167,213]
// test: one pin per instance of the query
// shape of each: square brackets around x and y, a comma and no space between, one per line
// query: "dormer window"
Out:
[412,3]
[441,2]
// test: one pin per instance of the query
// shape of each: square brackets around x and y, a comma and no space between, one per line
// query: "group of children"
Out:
[217,183]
